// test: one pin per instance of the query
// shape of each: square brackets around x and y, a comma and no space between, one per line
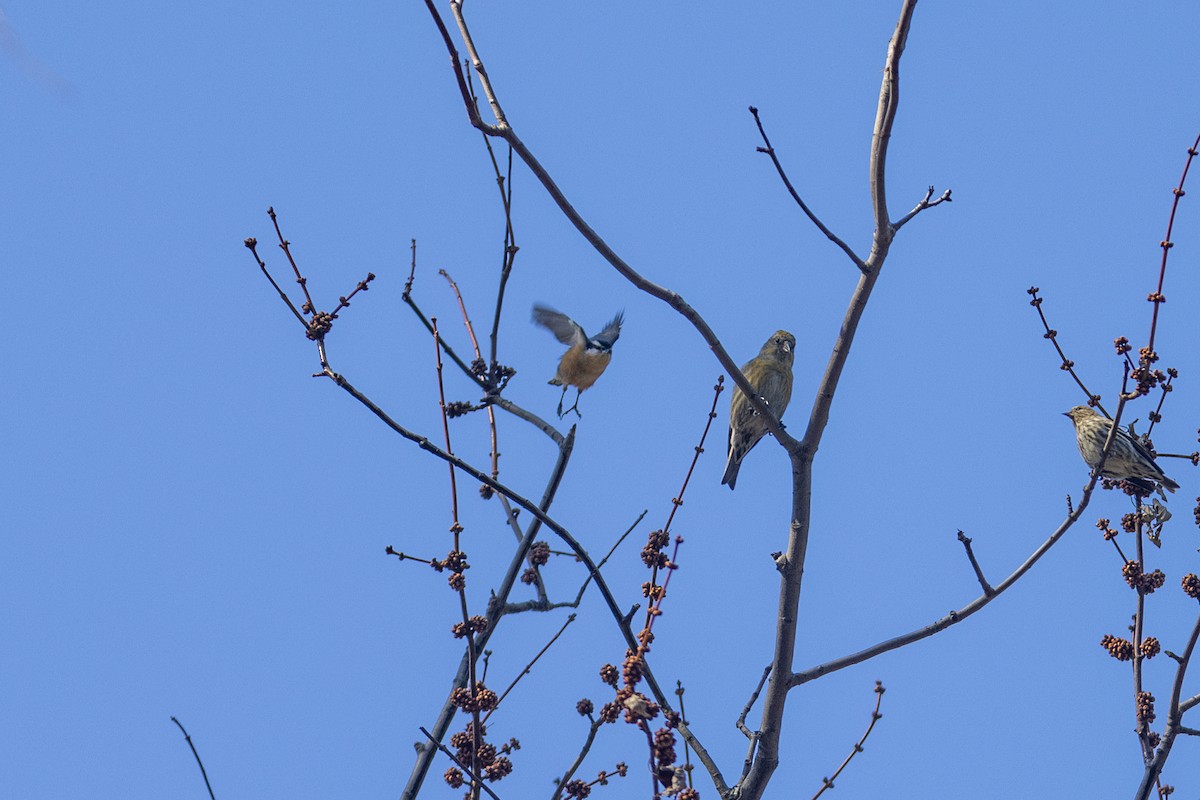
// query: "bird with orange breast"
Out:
[586,357]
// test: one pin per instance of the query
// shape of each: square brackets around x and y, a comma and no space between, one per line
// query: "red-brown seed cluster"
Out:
[1145,707]
[664,746]
[1103,526]
[483,699]
[652,552]
[498,769]
[652,591]
[1123,345]
[631,668]
[1144,582]
[584,707]
[319,325]
[539,553]
[1129,522]
[1118,648]
[1150,647]
[476,624]
[486,756]
[456,562]
[1191,586]
[609,674]
[577,788]
[459,408]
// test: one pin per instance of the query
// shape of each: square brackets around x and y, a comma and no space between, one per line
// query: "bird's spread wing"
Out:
[612,331]
[565,329]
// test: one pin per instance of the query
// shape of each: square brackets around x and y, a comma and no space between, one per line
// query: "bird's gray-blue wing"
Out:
[565,329]
[612,331]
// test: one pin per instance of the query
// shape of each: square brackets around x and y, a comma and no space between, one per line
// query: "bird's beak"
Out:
[787,348]
[1066,413]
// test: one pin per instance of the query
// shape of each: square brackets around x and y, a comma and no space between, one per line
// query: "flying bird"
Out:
[1128,459]
[586,357]
[770,373]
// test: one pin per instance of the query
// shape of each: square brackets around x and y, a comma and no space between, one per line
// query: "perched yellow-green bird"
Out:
[586,357]
[770,373]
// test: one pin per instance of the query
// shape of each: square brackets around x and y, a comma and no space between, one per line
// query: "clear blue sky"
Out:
[193,526]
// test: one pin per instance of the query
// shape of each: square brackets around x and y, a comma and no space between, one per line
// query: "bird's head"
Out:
[781,347]
[1080,413]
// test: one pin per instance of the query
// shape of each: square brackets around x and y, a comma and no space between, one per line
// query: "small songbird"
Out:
[1128,459]
[770,373]
[586,358]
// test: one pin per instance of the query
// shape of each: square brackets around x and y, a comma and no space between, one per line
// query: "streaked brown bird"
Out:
[586,357]
[1128,459]
[770,373]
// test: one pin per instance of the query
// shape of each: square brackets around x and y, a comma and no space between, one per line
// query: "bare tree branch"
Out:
[1175,713]
[188,739]
[955,617]
[770,151]
[827,783]
[791,565]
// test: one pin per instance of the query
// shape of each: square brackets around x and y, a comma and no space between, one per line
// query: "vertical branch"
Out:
[885,116]
[491,412]
[455,528]
[1174,719]
[1166,244]
[1143,726]
[203,771]
[791,567]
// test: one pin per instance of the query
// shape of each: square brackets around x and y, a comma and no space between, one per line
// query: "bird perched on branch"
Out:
[1128,459]
[770,373]
[586,357]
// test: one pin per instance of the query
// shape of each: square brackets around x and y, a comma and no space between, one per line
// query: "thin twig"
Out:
[827,783]
[491,412]
[504,184]
[770,151]
[252,245]
[476,782]
[1066,365]
[203,772]
[975,605]
[529,667]
[983,584]
[654,607]
[285,246]
[456,529]
[687,751]
[1157,298]
[923,204]
[1139,618]
[741,722]
[542,605]
[583,751]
